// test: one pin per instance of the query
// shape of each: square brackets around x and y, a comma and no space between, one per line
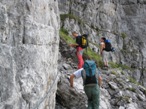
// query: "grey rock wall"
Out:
[29,40]
[122,21]
[118,91]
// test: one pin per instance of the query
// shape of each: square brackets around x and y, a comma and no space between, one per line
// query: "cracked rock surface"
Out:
[29,40]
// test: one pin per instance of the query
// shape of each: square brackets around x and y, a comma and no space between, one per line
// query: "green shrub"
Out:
[132,80]
[122,73]
[123,35]
[113,72]
[116,65]
[131,89]
[64,35]
[94,56]
[113,65]
[64,31]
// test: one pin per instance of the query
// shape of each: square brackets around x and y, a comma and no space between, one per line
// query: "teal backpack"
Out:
[90,71]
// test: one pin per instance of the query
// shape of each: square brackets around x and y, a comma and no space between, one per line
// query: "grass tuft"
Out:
[132,80]
[123,35]
[94,56]
[116,65]
[64,35]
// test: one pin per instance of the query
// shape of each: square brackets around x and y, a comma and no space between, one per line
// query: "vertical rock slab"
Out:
[121,21]
[29,40]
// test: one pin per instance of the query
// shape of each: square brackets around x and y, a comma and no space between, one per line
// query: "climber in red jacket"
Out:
[79,50]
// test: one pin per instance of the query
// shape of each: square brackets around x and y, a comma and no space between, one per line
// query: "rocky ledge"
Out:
[119,90]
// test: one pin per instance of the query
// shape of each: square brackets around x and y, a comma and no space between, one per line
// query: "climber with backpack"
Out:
[91,81]
[105,48]
[81,43]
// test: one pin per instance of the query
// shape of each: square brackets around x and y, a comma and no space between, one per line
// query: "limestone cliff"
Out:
[119,90]
[29,44]
[122,21]
[29,38]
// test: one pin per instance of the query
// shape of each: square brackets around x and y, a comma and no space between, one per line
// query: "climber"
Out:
[103,51]
[91,80]
[79,49]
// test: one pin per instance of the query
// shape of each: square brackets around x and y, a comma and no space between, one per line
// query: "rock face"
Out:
[29,38]
[122,21]
[118,91]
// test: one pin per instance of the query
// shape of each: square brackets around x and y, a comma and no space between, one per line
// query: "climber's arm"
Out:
[98,75]
[76,74]
[74,45]
[71,80]
[101,48]
[99,80]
